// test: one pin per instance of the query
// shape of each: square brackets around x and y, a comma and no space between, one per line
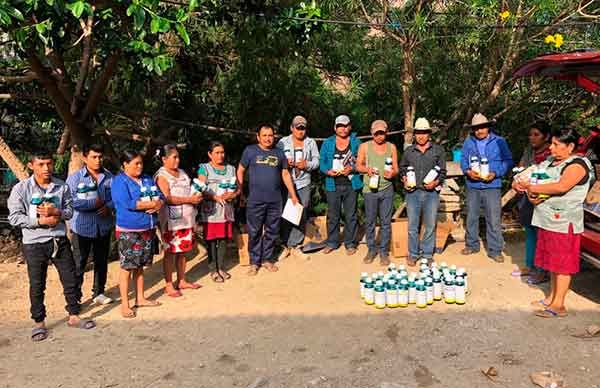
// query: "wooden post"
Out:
[12,161]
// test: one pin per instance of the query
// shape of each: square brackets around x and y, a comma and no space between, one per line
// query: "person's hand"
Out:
[220,199]
[347,170]
[300,165]
[48,211]
[432,185]
[294,199]
[519,186]
[195,199]
[534,199]
[49,220]
[371,171]
[333,173]
[473,175]
[290,162]
[103,211]
[388,174]
[490,177]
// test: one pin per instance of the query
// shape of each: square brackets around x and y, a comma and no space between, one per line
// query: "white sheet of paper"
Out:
[292,213]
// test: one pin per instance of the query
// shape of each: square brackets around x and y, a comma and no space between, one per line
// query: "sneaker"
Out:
[368,259]
[102,299]
[384,260]
[497,258]
[468,251]
[284,254]
[297,252]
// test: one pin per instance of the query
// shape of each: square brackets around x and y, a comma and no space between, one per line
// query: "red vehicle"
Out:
[583,68]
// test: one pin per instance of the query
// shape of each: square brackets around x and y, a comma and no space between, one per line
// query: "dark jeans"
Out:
[422,206]
[490,200]
[379,203]
[292,235]
[262,216]
[37,257]
[82,246]
[344,197]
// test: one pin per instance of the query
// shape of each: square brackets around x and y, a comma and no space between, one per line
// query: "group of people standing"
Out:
[135,205]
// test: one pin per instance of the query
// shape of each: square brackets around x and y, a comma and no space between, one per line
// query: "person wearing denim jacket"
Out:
[485,191]
[342,185]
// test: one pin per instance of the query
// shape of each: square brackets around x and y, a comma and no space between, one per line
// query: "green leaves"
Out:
[158,64]
[8,13]
[76,8]
[183,34]
[159,24]
[139,15]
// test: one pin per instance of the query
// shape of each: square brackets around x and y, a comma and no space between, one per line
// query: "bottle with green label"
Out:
[401,268]
[36,200]
[363,278]
[424,262]
[453,270]
[145,195]
[81,191]
[92,191]
[403,293]
[443,266]
[369,291]
[391,294]
[429,290]
[437,286]
[379,294]
[392,267]
[423,268]
[412,290]
[421,294]
[459,291]
[463,274]
[449,293]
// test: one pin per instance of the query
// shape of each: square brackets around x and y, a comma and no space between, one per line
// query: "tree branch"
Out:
[27,77]
[100,85]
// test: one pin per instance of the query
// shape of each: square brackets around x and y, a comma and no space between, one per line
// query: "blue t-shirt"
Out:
[264,171]
[481,145]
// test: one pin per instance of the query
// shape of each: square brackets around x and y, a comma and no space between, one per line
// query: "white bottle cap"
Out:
[374,275]
[428,279]
[364,274]
[379,283]
[81,185]
[459,279]
[91,184]
[444,264]
[144,189]
[36,195]
[368,280]
[434,265]
[380,273]
[391,282]
[403,282]
[453,267]
[153,188]
[420,283]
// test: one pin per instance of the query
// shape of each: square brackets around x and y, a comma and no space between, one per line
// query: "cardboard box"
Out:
[241,240]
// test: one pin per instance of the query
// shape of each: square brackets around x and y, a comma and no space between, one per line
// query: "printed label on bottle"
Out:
[460,294]
[391,298]
[421,299]
[437,291]
[380,299]
[412,295]
[369,296]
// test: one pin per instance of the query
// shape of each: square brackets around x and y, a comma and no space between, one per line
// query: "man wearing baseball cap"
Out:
[342,183]
[303,157]
[378,161]
[484,147]
[422,196]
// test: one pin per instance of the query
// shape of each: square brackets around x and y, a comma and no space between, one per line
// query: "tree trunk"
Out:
[408,105]
[12,161]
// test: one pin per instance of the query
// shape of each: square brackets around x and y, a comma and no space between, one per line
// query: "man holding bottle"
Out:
[423,170]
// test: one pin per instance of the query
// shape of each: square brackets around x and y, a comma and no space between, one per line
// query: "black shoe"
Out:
[468,251]
[368,259]
[497,258]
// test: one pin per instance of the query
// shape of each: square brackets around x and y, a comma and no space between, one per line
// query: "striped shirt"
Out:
[23,215]
[86,222]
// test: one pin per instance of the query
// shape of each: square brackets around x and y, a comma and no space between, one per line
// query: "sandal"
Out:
[539,303]
[534,280]
[85,324]
[549,313]
[216,277]
[39,334]
[151,303]
[592,331]
[129,314]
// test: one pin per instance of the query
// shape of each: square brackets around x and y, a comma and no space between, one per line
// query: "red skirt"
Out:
[558,252]
[217,230]
[178,241]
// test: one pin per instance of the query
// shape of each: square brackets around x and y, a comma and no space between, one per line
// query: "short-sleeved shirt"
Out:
[346,156]
[264,171]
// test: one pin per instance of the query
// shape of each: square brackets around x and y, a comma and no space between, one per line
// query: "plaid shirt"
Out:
[86,222]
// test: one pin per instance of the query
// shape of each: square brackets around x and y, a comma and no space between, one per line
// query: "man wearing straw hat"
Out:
[486,158]
[378,160]
[422,195]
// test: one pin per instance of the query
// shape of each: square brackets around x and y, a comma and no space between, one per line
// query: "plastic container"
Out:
[429,290]
[403,293]
[369,292]
[92,191]
[379,291]
[411,177]
[363,279]
[421,294]
[391,294]
[449,292]
[459,291]
[432,175]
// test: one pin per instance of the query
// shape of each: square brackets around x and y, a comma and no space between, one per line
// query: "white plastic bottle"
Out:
[145,195]
[429,290]
[36,200]
[388,165]
[391,294]
[411,177]
[155,196]
[484,167]
[363,279]
[298,155]
[463,274]
[379,294]
[421,294]
[374,180]
[449,291]
[92,191]
[474,164]
[81,191]
[437,286]
[232,185]
[432,175]
[403,293]
[337,163]
[459,291]
[412,291]
[369,291]
[392,267]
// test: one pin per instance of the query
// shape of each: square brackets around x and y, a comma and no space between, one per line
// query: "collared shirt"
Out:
[310,153]
[423,162]
[23,215]
[86,222]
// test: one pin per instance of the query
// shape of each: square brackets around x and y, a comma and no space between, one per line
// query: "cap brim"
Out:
[423,130]
[482,125]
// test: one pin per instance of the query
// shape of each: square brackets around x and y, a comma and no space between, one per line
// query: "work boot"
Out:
[384,260]
[468,251]
[368,259]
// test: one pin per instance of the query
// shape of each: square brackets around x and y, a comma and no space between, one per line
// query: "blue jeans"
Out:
[379,203]
[292,235]
[343,197]
[490,200]
[422,205]
[263,229]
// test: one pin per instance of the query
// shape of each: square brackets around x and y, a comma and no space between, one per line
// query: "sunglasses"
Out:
[301,128]
[379,133]
[342,125]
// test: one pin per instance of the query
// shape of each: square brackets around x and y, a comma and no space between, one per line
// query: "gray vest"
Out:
[211,211]
[559,211]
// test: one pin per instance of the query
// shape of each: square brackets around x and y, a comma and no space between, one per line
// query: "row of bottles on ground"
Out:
[398,288]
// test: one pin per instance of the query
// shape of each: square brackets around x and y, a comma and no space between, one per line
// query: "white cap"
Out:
[380,273]
[374,275]
[444,264]
[81,184]
[403,281]
[391,281]
[143,188]
[36,195]
[428,280]
[369,280]
[420,282]
[364,274]
[401,267]
[379,283]
[153,187]
[453,266]
[459,278]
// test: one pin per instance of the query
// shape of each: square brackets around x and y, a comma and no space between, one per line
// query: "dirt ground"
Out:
[304,326]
